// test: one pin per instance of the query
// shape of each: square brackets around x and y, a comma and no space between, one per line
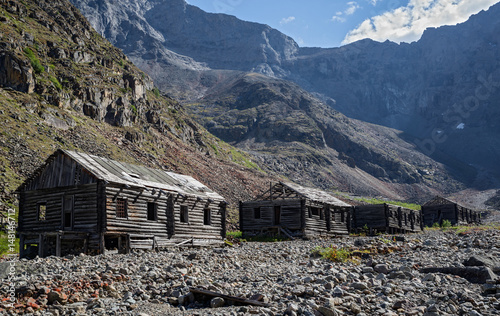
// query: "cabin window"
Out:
[256,213]
[184,214]
[315,211]
[121,208]
[68,211]
[342,216]
[207,216]
[321,214]
[406,219]
[152,211]
[41,211]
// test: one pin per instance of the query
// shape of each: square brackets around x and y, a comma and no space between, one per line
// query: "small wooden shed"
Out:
[295,210]
[78,202]
[440,208]
[387,218]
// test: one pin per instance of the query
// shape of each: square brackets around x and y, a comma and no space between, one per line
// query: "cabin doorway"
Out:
[277,215]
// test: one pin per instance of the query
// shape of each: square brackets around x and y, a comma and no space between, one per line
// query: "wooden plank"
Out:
[185,242]
[228,297]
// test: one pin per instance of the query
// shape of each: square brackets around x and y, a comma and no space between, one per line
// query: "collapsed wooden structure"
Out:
[78,202]
[439,209]
[387,218]
[294,211]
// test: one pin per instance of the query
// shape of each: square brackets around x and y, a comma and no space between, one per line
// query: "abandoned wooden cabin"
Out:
[439,209]
[386,218]
[293,210]
[78,202]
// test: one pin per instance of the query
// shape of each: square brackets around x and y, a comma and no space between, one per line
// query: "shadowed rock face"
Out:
[16,73]
[440,91]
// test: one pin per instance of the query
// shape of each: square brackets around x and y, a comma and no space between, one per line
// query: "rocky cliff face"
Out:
[63,86]
[290,132]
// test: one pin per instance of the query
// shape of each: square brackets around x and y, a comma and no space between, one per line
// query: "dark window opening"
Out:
[121,208]
[42,211]
[68,212]
[256,213]
[207,217]
[277,215]
[184,214]
[322,214]
[315,211]
[342,216]
[152,211]
[68,219]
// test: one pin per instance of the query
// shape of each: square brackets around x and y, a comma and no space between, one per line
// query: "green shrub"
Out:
[435,225]
[56,82]
[35,63]
[446,224]
[333,253]
[134,109]
[235,234]
[156,92]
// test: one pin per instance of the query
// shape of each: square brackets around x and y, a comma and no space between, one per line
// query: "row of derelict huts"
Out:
[77,202]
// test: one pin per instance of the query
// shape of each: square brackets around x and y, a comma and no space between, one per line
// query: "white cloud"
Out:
[373,2]
[287,20]
[406,24]
[337,18]
[352,7]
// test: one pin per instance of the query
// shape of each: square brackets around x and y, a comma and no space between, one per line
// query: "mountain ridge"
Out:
[376,82]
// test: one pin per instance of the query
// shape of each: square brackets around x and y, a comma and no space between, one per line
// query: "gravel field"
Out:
[434,273]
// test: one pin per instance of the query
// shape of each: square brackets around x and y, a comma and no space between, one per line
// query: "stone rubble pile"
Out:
[434,273]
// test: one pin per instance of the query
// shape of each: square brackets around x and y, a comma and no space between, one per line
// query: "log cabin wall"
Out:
[387,218]
[437,213]
[202,219]
[340,219]
[66,210]
[318,220]
[258,215]
[371,216]
[127,214]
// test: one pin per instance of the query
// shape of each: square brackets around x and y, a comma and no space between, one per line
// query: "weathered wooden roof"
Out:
[140,176]
[315,194]
[439,200]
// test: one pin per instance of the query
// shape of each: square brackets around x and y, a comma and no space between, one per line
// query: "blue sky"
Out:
[332,23]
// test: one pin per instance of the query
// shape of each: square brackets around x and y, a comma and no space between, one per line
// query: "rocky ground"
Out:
[435,273]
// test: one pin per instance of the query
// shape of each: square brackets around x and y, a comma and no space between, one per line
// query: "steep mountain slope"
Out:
[442,91]
[63,86]
[292,133]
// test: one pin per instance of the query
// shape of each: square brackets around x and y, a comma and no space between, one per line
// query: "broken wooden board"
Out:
[228,297]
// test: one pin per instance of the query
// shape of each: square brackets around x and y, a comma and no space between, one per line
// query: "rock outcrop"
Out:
[16,73]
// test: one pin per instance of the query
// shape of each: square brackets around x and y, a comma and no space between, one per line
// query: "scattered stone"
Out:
[217,302]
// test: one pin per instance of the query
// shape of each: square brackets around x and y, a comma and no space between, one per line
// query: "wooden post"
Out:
[58,245]
[223,218]
[40,245]
[101,243]
[328,217]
